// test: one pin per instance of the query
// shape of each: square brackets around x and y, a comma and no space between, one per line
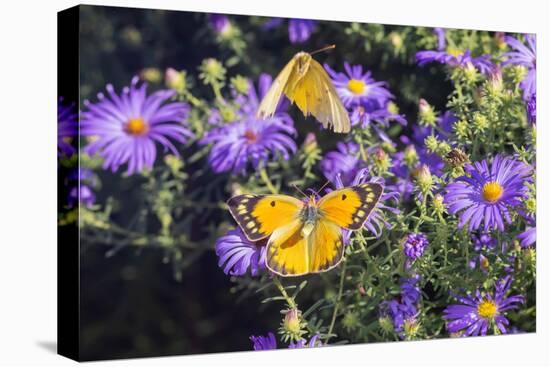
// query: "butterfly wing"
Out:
[271,99]
[260,215]
[351,206]
[288,251]
[314,94]
[291,254]
[326,246]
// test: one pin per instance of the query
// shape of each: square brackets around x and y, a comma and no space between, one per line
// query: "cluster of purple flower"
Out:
[403,309]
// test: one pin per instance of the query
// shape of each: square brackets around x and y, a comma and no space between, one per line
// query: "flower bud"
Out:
[310,143]
[480,122]
[351,321]
[386,324]
[381,160]
[438,204]
[151,75]
[175,79]
[410,328]
[292,325]
[495,86]
[423,177]
[462,129]
[426,114]
[240,84]
[212,71]
[410,156]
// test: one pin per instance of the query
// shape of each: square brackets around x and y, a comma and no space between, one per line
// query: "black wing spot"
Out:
[272,203]
[344,196]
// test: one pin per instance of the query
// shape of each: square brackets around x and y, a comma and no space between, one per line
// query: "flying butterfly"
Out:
[304,237]
[304,81]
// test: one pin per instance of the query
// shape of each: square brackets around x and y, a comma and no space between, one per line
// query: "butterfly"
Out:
[304,81]
[304,236]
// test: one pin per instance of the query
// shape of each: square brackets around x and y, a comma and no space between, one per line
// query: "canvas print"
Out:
[234,182]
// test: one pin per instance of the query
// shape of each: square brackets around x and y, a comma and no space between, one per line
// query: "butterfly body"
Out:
[305,83]
[304,236]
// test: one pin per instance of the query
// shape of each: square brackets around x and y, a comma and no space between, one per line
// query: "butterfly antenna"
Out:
[298,189]
[322,187]
[330,47]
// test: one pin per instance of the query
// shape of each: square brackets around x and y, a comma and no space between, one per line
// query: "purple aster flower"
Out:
[250,141]
[483,242]
[529,237]
[67,128]
[477,313]
[487,193]
[302,343]
[344,162]
[376,220]
[455,58]
[415,244]
[127,126]
[81,181]
[299,30]
[441,42]
[237,254]
[532,109]
[405,306]
[525,55]
[480,261]
[264,342]
[357,88]
[219,22]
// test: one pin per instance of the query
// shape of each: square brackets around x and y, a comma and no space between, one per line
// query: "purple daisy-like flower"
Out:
[343,162]
[414,245]
[299,30]
[237,254]
[483,242]
[525,55]
[253,141]
[81,181]
[126,127]
[67,128]
[478,312]
[528,237]
[248,139]
[264,342]
[405,306]
[376,220]
[219,22]
[357,88]
[531,106]
[487,192]
[455,58]
[314,342]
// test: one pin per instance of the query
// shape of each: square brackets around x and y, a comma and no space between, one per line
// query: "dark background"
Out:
[131,304]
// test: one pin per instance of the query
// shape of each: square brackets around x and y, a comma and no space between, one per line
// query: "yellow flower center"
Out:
[136,126]
[492,191]
[356,87]
[487,309]
[454,51]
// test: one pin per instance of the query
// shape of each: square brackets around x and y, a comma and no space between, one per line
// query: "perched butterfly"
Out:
[304,81]
[304,237]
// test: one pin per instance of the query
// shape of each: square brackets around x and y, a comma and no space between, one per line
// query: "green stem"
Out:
[337,304]
[267,181]
[289,300]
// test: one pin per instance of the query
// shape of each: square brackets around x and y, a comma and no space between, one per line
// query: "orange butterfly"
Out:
[304,237]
